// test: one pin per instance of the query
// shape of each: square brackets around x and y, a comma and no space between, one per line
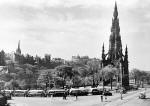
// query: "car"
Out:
[95,91]
[133,87]
[19,93]
[7,94]
[107,93]
[78,92]
[39,93]
[57,92]
[3,100]
[142,96]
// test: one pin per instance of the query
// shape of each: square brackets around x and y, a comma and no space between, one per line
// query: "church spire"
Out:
[103,48]
[18,51]
[115,56]
[126,53]
[19,44]
[103,52]
[115,44]
[115,11]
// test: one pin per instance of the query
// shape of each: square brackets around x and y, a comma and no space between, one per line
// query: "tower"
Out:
[115,56]
[115,45]
[18,54]
[126,66]
[18,51]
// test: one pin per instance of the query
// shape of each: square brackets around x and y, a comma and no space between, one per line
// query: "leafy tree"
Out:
[6,77]
[135,74]
[29,59]
[64,71]
[139,76]
[76,76]
[2,58]
[46,77]
[12,84]
[108,72]
[84,73]
[94,67]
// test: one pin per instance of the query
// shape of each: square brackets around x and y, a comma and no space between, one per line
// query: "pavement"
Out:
[129,99]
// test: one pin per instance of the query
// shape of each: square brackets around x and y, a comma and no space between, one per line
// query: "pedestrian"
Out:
[63,95]
[76,94]
[105,97]
[121,94]
[105,94]
[51,94]
[101,98]
[25,94]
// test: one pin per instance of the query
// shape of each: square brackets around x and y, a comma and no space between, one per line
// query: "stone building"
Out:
[114,56]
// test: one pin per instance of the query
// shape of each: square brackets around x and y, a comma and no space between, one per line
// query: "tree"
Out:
[139,76]
[135,74]
[93,67]
[64,71]
[2,58]
[84,73]
[47,60]
[76,78]
[108,72]
[29,59]
[46,77]
[12,84]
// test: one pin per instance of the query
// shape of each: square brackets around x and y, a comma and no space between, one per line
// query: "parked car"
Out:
[134,87]
[7,94]
[95,91]
[56,92]
[20,93]
[40,93]
[78,92]
[107,93]
[3,100]
[142,96]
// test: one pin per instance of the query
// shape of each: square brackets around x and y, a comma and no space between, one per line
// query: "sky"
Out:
[64,28]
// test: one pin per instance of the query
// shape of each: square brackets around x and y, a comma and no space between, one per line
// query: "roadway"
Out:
[129,99]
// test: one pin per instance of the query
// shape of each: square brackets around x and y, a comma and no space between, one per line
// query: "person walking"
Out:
[105,94]
[101,98]
[76,95]
[64,96]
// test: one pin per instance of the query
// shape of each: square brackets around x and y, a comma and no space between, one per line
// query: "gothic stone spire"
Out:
[114,55]
[115,45]
[126,53]
[103,52]
[115,11]
[18,51]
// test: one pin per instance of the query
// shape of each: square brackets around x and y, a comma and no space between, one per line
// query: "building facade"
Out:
[115,56]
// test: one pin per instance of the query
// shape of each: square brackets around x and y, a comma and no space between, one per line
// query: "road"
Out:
[129,99]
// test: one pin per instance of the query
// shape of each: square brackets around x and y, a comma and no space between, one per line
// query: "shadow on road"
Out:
[107,101]
[147,98]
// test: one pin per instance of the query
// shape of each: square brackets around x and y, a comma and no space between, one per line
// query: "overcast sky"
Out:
[64,28]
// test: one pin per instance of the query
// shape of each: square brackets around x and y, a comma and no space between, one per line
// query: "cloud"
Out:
[69,27]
